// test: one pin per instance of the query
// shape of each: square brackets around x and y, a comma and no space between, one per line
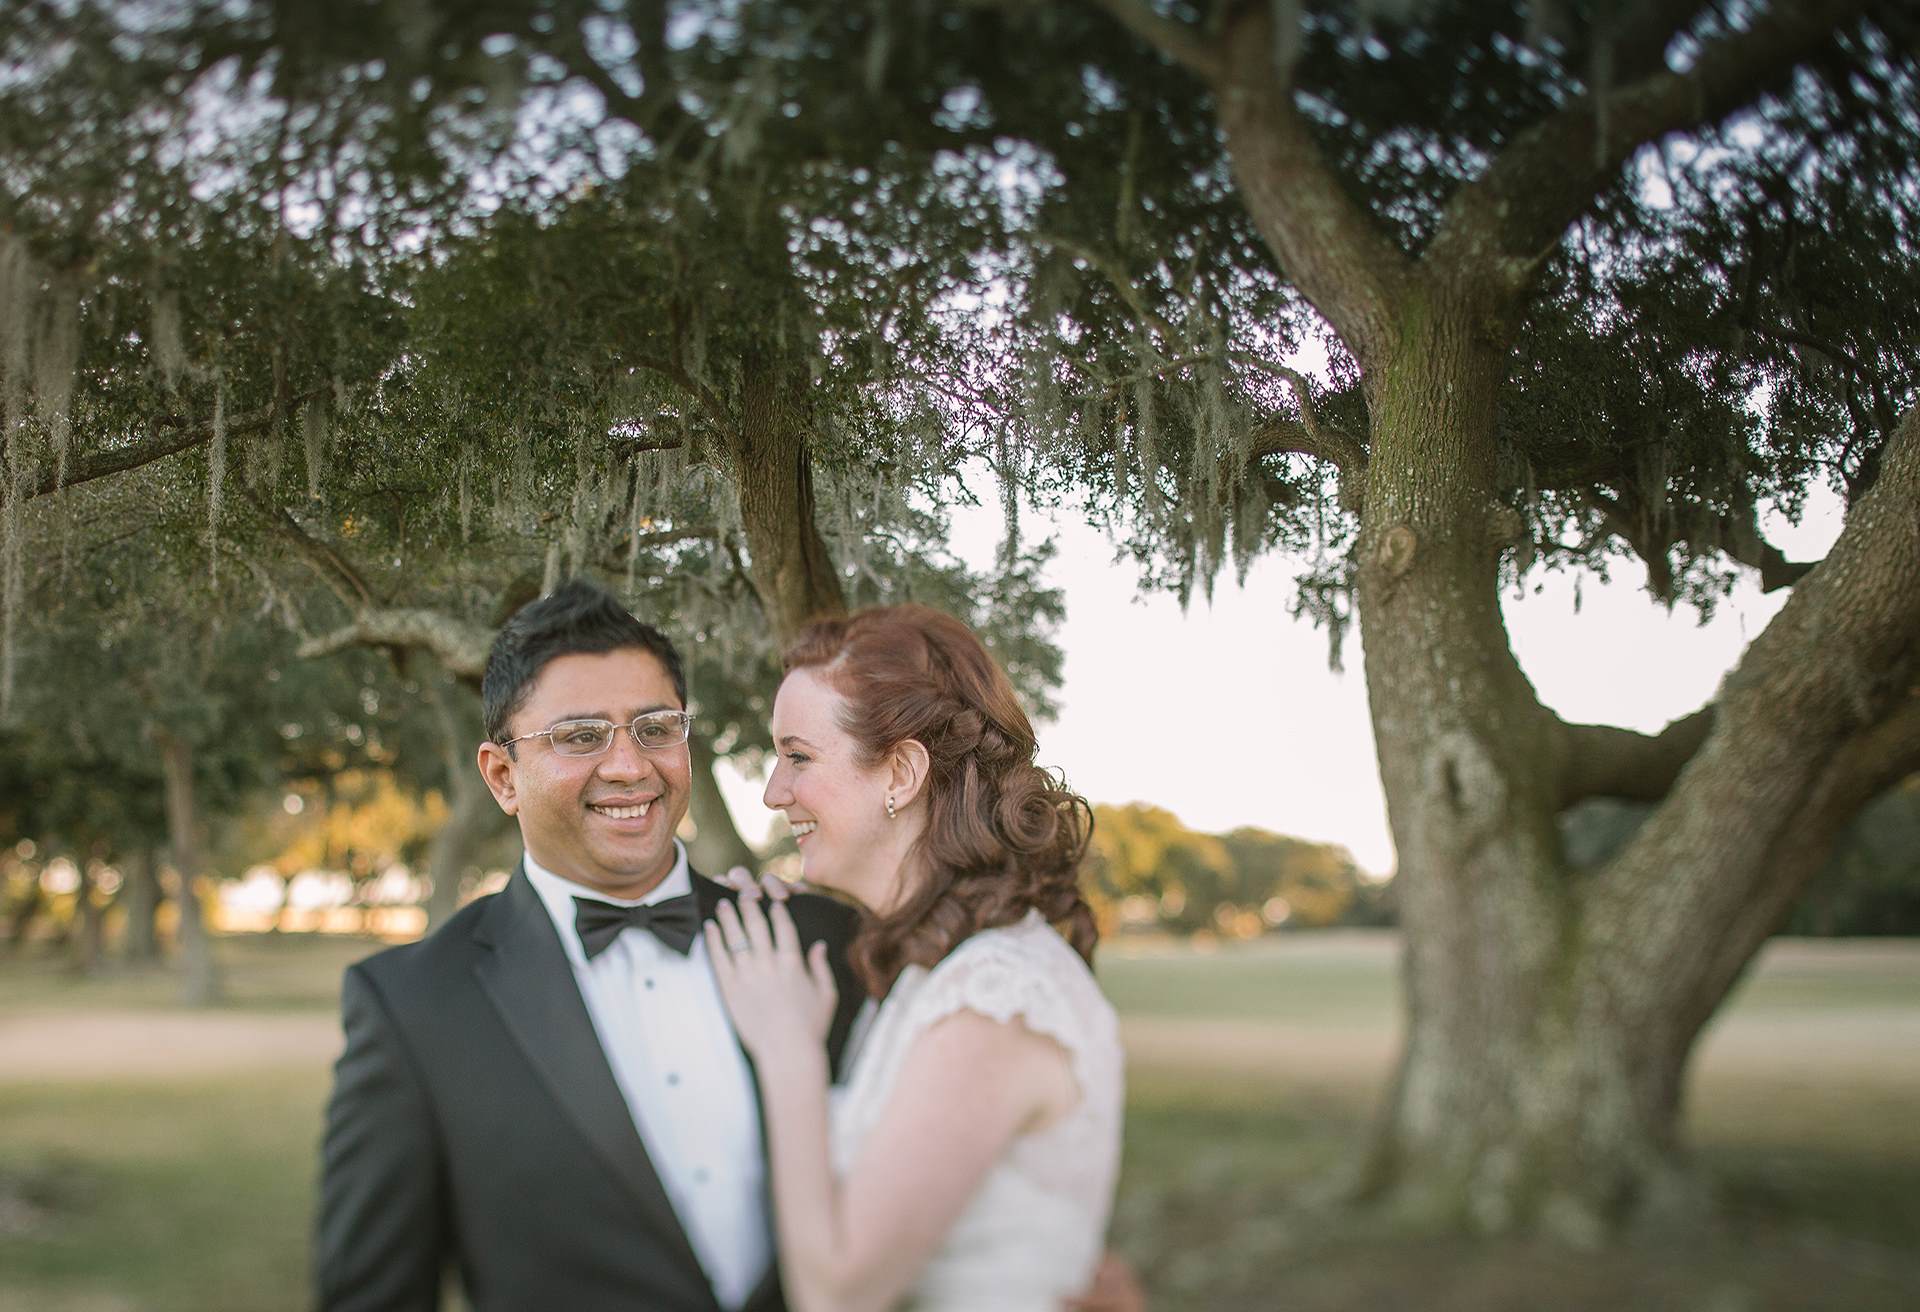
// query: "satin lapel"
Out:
[529,980]
[708,895]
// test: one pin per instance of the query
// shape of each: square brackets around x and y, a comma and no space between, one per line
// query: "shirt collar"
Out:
[557,893]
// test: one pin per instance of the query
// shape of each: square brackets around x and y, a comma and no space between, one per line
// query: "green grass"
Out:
[260,972]
[1254,1071]
[163,1195]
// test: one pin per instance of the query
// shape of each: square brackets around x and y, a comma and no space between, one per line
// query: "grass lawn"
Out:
[171,1165]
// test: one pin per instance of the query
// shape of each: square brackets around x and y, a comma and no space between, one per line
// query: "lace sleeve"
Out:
[1027,973]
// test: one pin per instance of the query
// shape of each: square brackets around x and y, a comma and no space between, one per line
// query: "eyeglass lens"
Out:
[586,737]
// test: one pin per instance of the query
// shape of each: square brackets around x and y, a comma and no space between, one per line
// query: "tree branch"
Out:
[1505,223]
[1601,760]
[342,578]
[1347,451]
[117,460]
[1322,442]
[1205,59]
[1743,543]
[457,644]
[703,396]
[1819,711]
[1117,278]
[1738,540]
[656,111]
[1326,243]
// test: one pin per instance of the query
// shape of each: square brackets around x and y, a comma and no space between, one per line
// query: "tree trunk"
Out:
[1550,1012]
[1485,1101]
[201,981]
[788,562]
[23,913]
[1550,1015]
[142,902]
[472,815]
[89,928]
[717,846]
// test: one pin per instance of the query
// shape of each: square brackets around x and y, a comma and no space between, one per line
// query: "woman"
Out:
[969,1161]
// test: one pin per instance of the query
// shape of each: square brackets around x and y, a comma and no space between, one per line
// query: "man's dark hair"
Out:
[578,616]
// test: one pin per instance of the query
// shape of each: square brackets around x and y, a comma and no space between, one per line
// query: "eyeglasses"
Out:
[654,731]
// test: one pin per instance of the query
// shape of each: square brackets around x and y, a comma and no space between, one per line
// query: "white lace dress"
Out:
[1033,1233]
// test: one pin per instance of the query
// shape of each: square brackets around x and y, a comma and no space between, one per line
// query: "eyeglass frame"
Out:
[686,731]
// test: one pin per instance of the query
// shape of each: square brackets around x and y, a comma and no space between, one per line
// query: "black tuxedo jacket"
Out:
[475,1123]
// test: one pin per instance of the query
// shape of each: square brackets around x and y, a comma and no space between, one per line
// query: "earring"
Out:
[890,813]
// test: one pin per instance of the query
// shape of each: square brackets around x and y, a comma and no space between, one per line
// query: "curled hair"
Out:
[1003,835]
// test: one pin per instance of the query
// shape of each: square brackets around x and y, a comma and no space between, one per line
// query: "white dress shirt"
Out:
[666,1034]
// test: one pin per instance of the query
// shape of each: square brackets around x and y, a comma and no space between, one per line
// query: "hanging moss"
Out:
[56,359]
[465,478]
[1146,446]
[216,477]
[167,349]
[313,435]
[10,585]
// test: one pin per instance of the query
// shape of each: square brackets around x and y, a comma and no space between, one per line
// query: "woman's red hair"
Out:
[1003,835]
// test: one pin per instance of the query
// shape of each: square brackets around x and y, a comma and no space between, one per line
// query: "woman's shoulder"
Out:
[1024,970]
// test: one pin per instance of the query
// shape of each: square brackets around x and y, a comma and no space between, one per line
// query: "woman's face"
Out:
[836,806]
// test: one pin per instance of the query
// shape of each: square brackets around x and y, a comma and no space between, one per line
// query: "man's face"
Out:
[605,821]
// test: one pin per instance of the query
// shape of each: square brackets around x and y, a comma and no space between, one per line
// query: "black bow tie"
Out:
[674,922]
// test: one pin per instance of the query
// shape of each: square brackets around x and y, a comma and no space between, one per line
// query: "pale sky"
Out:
[1268,735]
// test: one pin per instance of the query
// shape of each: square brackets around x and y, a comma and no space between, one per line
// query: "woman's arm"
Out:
[966,1088]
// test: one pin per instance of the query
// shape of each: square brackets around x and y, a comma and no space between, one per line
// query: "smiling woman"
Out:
[903,744]
[970,1157]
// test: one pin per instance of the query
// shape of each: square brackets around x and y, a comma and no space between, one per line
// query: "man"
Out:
[546,1093]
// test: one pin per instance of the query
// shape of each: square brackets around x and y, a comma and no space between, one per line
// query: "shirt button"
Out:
[649,983]
[700,1176]
[673,1077]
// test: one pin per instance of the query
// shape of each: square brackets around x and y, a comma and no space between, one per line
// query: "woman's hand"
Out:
[781,1000]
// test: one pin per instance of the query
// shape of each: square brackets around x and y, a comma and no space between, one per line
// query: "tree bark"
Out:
[1550,1016]
[717,846]
[1485,1095]
[143,897]
[89,929]
[788,563]
[201,976]
[1550,1013]
[472,815]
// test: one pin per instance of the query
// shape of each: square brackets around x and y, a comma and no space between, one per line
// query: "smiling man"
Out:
[546,1093]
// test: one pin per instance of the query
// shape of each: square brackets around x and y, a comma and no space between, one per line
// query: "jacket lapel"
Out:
[529,980]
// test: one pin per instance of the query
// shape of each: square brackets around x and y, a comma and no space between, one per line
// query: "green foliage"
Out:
[1713,338]
[442,307]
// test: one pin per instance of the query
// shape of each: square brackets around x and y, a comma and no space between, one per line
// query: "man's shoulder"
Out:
[817,916]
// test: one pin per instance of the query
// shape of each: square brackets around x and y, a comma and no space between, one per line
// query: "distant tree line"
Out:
[1147,870]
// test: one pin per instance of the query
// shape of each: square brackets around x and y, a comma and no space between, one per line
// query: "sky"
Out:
[1267,734]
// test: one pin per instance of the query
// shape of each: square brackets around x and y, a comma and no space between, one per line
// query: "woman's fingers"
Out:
[753,917]
[785,937]
[718,955]
[737,878]
[775,888]
[732,932]
[820,971]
